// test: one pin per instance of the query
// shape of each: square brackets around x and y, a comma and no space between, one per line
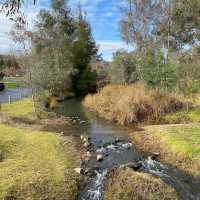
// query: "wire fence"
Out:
[12,96]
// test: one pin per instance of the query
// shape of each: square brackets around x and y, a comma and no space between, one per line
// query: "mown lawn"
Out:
[184,139]
[35,165]
[14,82]
[21,109]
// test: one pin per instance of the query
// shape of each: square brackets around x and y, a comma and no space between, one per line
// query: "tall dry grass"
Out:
[129,104]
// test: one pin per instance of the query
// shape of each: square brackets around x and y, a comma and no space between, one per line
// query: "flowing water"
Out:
[111,141]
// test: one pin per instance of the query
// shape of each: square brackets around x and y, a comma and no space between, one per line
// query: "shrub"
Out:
[134,103]
[157,71]
[123,68]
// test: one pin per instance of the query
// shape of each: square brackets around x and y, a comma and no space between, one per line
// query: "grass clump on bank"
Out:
[130,185]
[35,166]
[134,103]
[178,145]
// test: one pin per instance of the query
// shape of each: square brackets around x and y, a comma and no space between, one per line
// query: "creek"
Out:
[112,142]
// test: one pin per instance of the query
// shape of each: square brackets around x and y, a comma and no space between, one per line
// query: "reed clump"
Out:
[130,104]
[130,185]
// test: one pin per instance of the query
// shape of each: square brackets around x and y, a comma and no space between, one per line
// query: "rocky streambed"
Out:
[107,147]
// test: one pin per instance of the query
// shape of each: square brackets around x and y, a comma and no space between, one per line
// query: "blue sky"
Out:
[103,15]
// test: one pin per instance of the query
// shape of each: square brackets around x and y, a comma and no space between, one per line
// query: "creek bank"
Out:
[177,145]
[97,172]
[135,102]
[127,184]
[51,177]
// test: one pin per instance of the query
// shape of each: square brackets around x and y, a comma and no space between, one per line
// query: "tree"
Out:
[123,68]
[83,50]
[51,55]
[156,71]
[12,7]
[180,23]
[140,20]
[189,71]
[172,24]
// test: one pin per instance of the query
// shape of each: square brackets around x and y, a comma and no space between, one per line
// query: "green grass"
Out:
[184,139]
[14,82]
[21,109]
[13,85]
[185,116]
[35,166]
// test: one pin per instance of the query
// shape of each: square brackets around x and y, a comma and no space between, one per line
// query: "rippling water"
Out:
[112,142]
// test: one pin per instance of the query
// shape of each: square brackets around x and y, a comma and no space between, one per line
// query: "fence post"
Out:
[9,99]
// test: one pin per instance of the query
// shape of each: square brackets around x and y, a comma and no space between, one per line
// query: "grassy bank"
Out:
[178,145]
[35,164]
[130,185]
[134,103]
[186,116]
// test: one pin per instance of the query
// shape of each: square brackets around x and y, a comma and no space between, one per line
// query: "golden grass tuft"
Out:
[131,185]
[128,104]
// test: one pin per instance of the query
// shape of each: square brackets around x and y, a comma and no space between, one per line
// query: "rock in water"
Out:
[132,165]
[2,87]
[82,137]
[86,144]
[127,145]
[155,155]
[89,154]
[99,157]
[79,170]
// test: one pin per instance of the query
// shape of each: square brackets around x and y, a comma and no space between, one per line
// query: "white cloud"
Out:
[7,45]
[107,48]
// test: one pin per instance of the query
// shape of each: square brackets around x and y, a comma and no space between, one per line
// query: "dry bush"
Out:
[128,104]
[130,185]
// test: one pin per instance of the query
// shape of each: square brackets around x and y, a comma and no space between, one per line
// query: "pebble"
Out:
[99,157]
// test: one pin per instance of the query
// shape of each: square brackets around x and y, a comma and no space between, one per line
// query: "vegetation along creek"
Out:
[108,148]
[100,100]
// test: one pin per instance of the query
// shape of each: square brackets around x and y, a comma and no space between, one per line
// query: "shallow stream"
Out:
[112,141]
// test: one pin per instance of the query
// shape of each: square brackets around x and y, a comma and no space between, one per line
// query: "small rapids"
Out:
[111,142]
[95,187]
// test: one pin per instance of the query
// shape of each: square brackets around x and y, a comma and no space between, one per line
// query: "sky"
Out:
[103,15]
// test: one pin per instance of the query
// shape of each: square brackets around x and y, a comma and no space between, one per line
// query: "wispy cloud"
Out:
[103,15]
[107,48]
